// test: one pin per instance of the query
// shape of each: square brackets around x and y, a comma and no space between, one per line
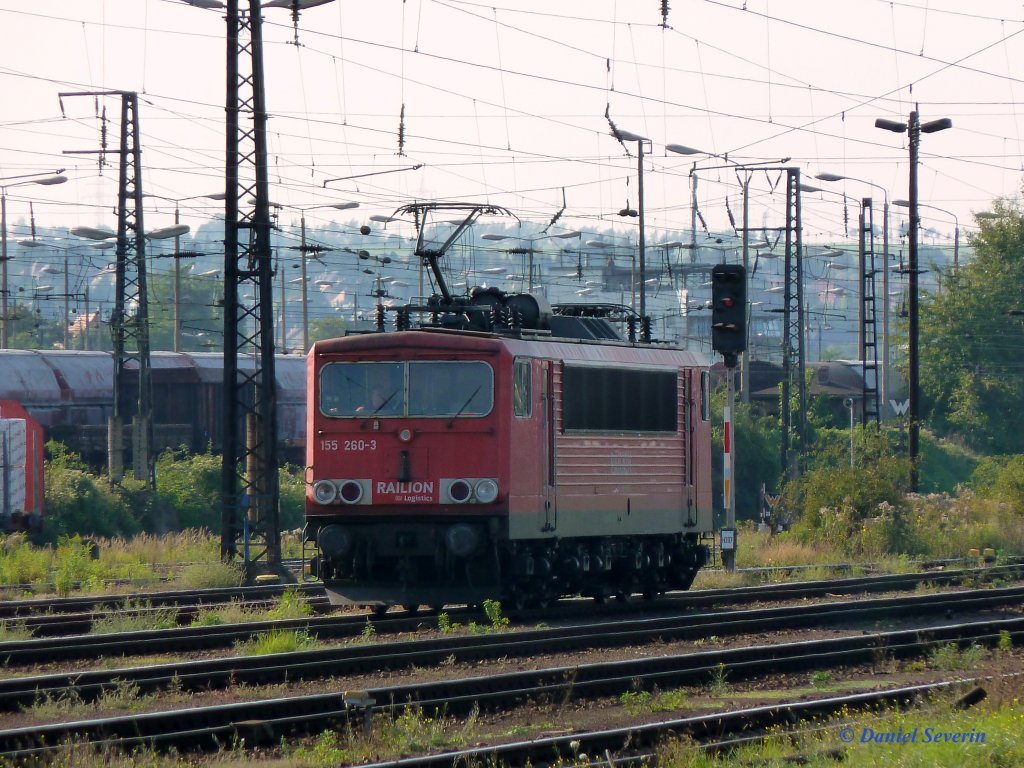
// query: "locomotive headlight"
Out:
[460,491]
[405,435]
[325,492]
[350,492]
[486,490]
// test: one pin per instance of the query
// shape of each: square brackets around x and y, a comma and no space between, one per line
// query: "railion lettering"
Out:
[416,487]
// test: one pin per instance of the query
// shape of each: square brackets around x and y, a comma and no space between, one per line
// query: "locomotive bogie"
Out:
[552,468]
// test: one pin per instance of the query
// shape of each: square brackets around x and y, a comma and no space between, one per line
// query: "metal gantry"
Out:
[794,426]
[129,320]
[868,334]
[249,482]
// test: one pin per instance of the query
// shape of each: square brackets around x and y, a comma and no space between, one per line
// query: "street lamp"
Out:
[530,250]
[956,226]
[303,250]
[176,232]
[624,136]
[913,128]
[45,180]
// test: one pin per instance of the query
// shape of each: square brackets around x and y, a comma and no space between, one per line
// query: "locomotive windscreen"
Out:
[406,389]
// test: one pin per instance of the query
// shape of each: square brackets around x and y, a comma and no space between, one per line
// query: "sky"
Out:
[512,103]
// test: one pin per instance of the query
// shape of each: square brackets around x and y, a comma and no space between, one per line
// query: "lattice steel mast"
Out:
[249,482]
[129,321]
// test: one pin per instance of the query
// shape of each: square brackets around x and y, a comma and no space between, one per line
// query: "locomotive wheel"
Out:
[379,610]
[412,610]
[521,599]
[624,597]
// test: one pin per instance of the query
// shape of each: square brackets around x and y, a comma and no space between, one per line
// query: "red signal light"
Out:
[727,302]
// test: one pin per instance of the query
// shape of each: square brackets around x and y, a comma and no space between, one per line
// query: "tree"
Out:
[971,334]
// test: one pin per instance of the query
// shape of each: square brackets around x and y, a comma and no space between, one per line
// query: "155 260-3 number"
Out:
[348,445]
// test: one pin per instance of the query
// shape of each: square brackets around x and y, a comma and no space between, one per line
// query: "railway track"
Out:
[56,636]
[376,657]
[637,745]
[85,604]
[266,721]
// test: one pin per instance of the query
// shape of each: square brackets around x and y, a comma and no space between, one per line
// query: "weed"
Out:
[447,626]
[14,630]
[1005,644]
[636,702]
[719,684]
[369,632]
[950,657]
[124,695]
[492,609]
[290,605]
[276,641]
[211,574]
[821,679]
[136,617]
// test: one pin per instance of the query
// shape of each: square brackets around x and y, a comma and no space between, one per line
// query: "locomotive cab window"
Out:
[522,388]
[620,400]
[450,389]
[362,389]
[446,389]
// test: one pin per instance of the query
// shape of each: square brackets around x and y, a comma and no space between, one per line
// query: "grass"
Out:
[277,641]
[135,617]
[952,658]
[410,731]
[498,622]
[1001,725]
[14,630]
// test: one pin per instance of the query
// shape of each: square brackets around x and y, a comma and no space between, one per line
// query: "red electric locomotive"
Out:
[501,453]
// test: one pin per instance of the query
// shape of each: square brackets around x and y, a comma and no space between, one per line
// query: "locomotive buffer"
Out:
[729,337]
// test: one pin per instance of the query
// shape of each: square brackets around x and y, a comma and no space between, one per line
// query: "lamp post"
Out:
[913,128]
[641,141]
[529,250]
[848,402]
[956,226]
[303,250]
[177,233]
[45,180]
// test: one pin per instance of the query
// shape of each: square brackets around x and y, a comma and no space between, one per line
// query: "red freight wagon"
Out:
[22,503]
[450,466]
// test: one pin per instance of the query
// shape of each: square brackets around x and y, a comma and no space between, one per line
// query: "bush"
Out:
[79,503]
[189,486]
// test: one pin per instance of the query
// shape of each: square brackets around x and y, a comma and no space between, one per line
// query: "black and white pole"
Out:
[729,337]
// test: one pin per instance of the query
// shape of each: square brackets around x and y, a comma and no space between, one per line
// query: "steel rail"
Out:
[42,650]
[210,673]
[267,721]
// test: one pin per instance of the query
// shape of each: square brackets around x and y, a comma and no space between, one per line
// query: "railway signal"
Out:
[729,336]
[729,310]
